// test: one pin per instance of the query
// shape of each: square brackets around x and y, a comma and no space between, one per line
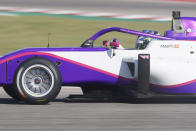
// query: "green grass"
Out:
[32,31]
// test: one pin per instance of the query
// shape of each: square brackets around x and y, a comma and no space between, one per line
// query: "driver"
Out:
[142,41]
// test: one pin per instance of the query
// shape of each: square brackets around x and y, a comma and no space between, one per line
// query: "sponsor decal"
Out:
[170,46]
[41,100]
[145,56]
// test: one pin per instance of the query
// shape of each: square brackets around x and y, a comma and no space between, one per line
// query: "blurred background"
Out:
[26,23]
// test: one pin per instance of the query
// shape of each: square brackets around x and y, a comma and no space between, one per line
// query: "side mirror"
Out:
[105,43]
[87,43]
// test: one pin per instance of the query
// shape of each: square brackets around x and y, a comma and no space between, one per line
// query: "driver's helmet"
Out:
[142,41]
[114,43]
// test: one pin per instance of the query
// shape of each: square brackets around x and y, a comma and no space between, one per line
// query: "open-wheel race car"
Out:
[158,66]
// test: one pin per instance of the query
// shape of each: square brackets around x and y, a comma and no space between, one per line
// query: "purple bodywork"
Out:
[189,23]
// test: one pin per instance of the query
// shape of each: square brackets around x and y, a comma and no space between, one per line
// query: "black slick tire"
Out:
[31,97]
[9,89]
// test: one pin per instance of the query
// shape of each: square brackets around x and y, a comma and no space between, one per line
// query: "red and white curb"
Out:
[11,11]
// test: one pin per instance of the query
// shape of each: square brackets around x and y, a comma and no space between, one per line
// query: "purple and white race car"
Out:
[166,66]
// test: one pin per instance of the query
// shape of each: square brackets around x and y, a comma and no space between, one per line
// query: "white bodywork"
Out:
[171,62]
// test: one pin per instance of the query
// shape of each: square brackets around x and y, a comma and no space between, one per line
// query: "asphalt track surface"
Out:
[152,115]
[145,7]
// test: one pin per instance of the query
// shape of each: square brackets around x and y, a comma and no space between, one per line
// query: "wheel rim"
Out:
[38,80]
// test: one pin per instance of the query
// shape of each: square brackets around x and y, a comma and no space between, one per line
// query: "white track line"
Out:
[32,10]
[7,14]
[63,12]
[100,14]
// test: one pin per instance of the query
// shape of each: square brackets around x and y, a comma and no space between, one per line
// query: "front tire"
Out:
[11,92]
[37,81]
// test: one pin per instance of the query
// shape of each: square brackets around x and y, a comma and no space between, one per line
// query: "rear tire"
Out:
[37,81]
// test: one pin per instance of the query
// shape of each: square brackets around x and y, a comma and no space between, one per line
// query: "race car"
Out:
[165,67]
